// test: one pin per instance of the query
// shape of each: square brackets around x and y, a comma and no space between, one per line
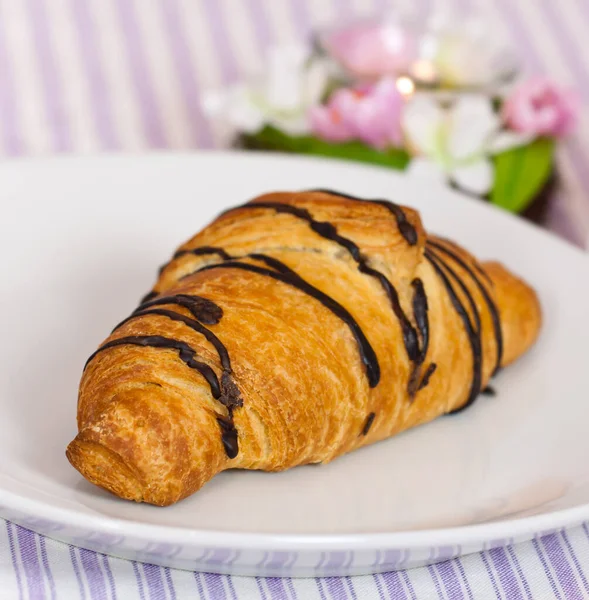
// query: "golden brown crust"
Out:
[149,428]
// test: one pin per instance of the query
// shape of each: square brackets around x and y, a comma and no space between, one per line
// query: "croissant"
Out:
[293,329]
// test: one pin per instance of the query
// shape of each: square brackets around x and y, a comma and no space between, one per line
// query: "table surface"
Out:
[87,76]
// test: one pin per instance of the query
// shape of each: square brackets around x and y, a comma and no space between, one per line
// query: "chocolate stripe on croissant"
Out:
[328,231]
[286,275]
[202,309]
[185,352]
[405,228]
[494,312]
[475,264]
[473,331]
[420,308]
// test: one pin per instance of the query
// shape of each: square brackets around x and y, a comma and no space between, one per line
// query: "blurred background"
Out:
[88,76]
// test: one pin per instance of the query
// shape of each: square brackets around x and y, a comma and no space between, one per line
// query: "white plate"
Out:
[80,240]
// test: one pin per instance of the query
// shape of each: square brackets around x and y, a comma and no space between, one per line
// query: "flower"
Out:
[456,141]
[465,51]
[540,107]
[370,113]
[371,50]
[282,98]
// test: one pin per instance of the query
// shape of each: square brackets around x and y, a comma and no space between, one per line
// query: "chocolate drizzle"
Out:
[328,231]
[473,330]
[493,311]
[405,228]
[225,391]
[416,339]
[202,309]
[186,353]
[286,275]
[368,423]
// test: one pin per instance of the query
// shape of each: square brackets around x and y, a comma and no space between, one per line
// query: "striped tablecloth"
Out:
[127,75]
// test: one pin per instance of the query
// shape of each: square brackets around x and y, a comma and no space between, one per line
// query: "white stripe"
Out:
[9,583]
[533,570]
[305,589]
[203,54]
[422,580]
[362,9]
[322,13]
[122,571]
[575,22]
[76,93]
[126,116]
[241,37]
[281,22]
[162,73]
[29,95]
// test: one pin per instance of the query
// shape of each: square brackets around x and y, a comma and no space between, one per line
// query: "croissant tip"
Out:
[104,468]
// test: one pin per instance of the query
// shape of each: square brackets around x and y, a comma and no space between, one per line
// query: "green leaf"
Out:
[520,174]
[270,138]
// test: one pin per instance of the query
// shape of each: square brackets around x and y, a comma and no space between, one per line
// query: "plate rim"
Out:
[505,528]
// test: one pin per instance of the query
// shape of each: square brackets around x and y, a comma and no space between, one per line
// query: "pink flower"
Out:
[371,114]
[538,106]
[371,49]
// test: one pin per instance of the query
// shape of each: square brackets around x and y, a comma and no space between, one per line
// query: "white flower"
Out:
[457,141]
[293,83]
[469,51]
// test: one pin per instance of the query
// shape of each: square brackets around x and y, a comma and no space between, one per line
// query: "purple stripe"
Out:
[520,573]
[111,579]
[300,17]
[571,52]
[277,589]
[9,117]
[186,73]
[220,36]
[483,556]
[94,574]
[198,580]
[546,569]
[262,30]
[379,586]
[138,580]
[46,567]
[13,558]
[319,584]
[465,583]
[394,586]
[231,588]
[215,586]
[74,561]
[565,538]
[50,77]
[140,75]
[449,580]
[30,561]
[259,584]
[291,589]
[409,585]
[99,97]
[154,581]
[561,566]
[170,583]
[351,589]
[507,577]
[434,577]
[335,587]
